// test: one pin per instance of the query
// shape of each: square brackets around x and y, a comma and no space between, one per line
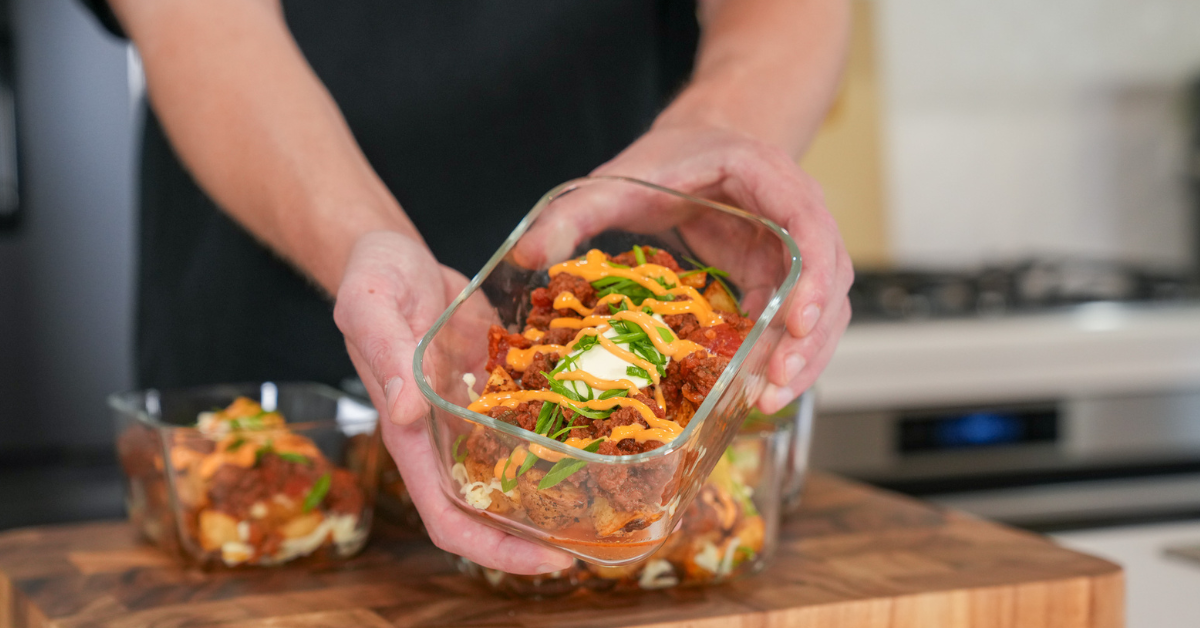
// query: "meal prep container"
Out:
[169,492]
[800,414]
[763,265]
[729,531]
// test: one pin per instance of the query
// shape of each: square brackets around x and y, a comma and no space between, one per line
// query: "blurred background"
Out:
[1019,186]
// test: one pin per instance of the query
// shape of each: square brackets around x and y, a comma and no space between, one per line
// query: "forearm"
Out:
[258,130]
[768,68]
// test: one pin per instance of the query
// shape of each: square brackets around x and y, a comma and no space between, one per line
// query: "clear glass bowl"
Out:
[256,494]
[800,414]
[729,531]
[621,509]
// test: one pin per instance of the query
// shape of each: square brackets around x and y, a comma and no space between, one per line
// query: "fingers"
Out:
[448,527]
[817,349]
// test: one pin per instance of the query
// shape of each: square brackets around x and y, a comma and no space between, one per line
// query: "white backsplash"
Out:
[1037,128]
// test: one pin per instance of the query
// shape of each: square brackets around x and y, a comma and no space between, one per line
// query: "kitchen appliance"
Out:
[1046,393]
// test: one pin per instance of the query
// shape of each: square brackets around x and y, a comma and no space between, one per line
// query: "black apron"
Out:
[469,110]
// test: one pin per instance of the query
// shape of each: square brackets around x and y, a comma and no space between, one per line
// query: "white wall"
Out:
[1037,127]
[72,263]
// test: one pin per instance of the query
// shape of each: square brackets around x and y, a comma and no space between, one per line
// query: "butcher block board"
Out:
[852,556]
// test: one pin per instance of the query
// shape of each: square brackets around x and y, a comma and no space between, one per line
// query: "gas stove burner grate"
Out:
[1026,287]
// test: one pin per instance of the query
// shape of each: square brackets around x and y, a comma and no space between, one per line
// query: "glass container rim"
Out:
[127,402]
[718,389]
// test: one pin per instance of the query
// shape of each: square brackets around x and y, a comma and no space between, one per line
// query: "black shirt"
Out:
[469,110]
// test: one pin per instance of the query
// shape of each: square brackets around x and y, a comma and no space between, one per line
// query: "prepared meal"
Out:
[728,531]
[616,355]
[581,401]
[242,486]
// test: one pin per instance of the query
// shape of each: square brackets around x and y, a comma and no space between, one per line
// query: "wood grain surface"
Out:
[851,557]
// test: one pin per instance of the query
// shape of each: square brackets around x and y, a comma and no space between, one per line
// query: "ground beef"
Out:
[559,336]
[485,446]
[533,379]
[722,339]
[580,287]
[699,371]
[659,256]
[523,416]
[344,495]
[233,489]
[682,324]
[540,317]
[499,342]
[672,389]
[542,300]
[742,324]
[620,416]
[630,488]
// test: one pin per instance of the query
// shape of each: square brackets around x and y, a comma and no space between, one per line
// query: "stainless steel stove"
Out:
[1043,393]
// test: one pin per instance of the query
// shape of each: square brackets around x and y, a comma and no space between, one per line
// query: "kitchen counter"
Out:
[1162,588]
[852,556]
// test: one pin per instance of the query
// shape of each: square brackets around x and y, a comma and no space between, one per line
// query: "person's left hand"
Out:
[760,178]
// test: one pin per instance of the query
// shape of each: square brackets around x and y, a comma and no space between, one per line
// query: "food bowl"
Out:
[248,475]
[729,531]
[610,510]
[800,414]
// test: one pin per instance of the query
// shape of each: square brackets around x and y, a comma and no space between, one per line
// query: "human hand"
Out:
[725,166]
[391,293]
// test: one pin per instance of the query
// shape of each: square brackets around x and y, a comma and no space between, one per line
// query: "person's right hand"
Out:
[391,293]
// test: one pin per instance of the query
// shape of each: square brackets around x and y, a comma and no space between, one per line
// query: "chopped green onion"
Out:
[566,429]
[530,459]
[566,467]
[454,452]
[666,334]
[638,255]
[238,442]
[616,392]
[265,449]
[614,264]
[294,457]
[544,417]
[506,484]
[319,490]
[637,371]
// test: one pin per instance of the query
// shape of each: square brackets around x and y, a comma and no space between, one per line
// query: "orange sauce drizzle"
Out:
[578,323]
[566,300]
[677,348]
[514,398]
[660,430]
[593,267]
[597,383]
[520,359]
[533,334]
[553,456]
[514,462]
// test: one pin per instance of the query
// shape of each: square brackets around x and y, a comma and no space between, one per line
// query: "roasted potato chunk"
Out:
[610,522]
[552,508]
[720,299]
[500,381]
[694,280]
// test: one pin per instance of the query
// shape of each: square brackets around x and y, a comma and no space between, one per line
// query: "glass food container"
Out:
[730,530]
[255,474]
[800,414]
[618,509]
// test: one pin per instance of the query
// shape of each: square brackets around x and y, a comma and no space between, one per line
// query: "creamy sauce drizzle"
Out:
[593,267]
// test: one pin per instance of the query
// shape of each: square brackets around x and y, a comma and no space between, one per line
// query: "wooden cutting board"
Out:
[852,556]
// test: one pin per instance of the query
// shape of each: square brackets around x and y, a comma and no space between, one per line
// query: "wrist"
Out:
[323,249]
